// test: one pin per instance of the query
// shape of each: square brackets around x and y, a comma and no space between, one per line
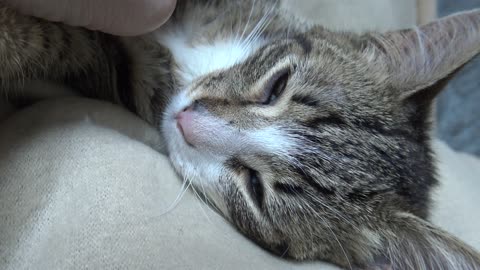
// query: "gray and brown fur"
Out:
[356,191]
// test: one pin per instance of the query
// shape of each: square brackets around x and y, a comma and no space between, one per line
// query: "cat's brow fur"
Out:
[343,154]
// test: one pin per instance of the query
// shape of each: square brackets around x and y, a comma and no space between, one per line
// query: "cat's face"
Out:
[298,144]
[310,145]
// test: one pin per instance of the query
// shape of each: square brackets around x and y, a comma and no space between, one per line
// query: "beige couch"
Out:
[81,188]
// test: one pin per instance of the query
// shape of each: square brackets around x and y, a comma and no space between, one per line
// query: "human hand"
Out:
[119,17]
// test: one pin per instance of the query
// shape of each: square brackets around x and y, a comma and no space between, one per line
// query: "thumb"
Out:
[119,17]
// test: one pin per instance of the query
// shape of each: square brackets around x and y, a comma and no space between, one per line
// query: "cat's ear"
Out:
[418,58]
[410,242]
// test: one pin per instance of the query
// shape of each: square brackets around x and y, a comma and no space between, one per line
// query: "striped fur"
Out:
[312,143]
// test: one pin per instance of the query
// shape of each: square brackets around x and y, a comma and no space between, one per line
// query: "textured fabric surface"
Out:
[81,187]
[458,107]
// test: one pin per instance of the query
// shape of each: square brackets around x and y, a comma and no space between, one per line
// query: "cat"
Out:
[313,143]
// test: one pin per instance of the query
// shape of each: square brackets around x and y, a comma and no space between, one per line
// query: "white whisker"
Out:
[259,28]
[248,20]
[338,241]
[200,204]
[183,189]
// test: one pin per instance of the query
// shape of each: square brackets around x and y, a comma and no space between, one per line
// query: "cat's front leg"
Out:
[35,49]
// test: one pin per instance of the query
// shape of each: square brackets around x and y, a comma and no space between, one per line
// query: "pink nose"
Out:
[185,122]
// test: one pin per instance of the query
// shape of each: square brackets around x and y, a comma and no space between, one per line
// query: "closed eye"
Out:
[255,187]
[275,86]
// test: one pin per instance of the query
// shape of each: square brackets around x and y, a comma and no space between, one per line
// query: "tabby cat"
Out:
[314,144]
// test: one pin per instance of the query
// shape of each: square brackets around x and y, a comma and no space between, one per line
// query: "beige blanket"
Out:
[82,188]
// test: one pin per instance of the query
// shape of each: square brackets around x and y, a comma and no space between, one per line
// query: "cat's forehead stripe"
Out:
[312,180]
[306,100]
[305,43]
[288,188]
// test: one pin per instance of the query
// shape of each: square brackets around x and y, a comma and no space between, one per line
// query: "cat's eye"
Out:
[255,186]
[275,86]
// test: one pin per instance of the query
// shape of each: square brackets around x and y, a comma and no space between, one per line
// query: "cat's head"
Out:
[317,146]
